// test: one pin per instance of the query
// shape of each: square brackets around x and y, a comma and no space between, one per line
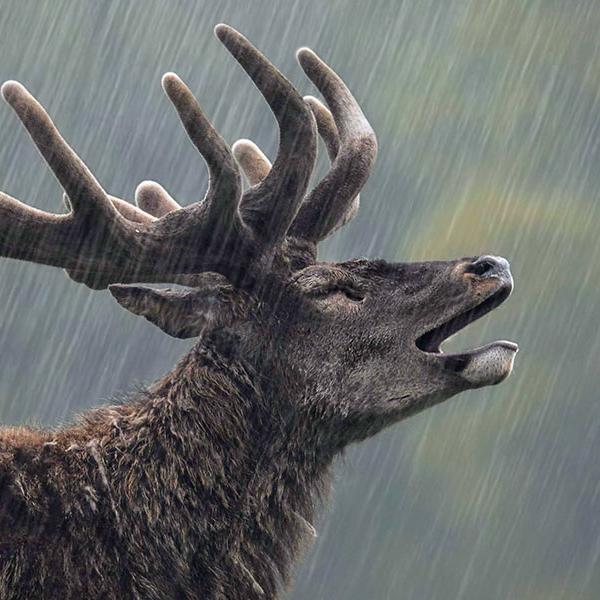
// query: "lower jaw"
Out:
[486,365]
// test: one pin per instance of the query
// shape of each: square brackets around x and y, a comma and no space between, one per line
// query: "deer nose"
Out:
[490,266]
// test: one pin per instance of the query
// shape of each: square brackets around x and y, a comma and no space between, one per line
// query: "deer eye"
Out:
[351,293]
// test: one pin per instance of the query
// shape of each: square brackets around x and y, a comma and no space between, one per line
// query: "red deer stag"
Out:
[205,484]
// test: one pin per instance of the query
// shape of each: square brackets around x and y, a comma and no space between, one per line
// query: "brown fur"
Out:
[175,494]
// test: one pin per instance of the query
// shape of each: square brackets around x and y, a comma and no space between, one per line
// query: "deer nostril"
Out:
[486,266]
[480,267]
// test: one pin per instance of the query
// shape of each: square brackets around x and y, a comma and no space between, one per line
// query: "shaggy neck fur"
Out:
[204,486]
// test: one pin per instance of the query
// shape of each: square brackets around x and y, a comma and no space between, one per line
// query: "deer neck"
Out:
[232,447]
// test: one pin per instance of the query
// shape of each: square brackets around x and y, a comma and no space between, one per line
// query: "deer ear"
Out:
[180,313]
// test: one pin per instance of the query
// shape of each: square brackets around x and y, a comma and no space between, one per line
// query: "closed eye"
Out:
[353,294]
[350,293]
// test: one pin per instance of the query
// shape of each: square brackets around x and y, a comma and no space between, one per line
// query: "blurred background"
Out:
[488,118]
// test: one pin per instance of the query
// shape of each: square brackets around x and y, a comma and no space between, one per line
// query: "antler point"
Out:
[241,147]
[222,30]
[305,53]
[147,184]
[10,89]
[313,100]
[170,79]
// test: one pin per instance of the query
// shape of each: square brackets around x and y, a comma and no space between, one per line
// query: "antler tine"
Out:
[129,211]
[325,126]
[224,189]
[274,203]
[330,136]
[152,198]
[29,234]
[84,191]
[326,205]
[254,163]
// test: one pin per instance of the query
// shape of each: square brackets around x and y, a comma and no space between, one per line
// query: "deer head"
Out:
[358,342]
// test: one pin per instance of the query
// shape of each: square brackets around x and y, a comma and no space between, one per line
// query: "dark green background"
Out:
[488,117]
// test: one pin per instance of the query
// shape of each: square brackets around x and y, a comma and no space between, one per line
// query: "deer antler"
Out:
[272,206]
[329,133]
[351,145]
[256,165]
[152,198]
[104,240]
[99,245]
[327,204]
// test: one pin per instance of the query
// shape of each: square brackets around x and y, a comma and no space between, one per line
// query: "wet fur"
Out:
[175,494]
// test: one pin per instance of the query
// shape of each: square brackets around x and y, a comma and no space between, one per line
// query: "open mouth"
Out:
[485,365]
[431,340]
